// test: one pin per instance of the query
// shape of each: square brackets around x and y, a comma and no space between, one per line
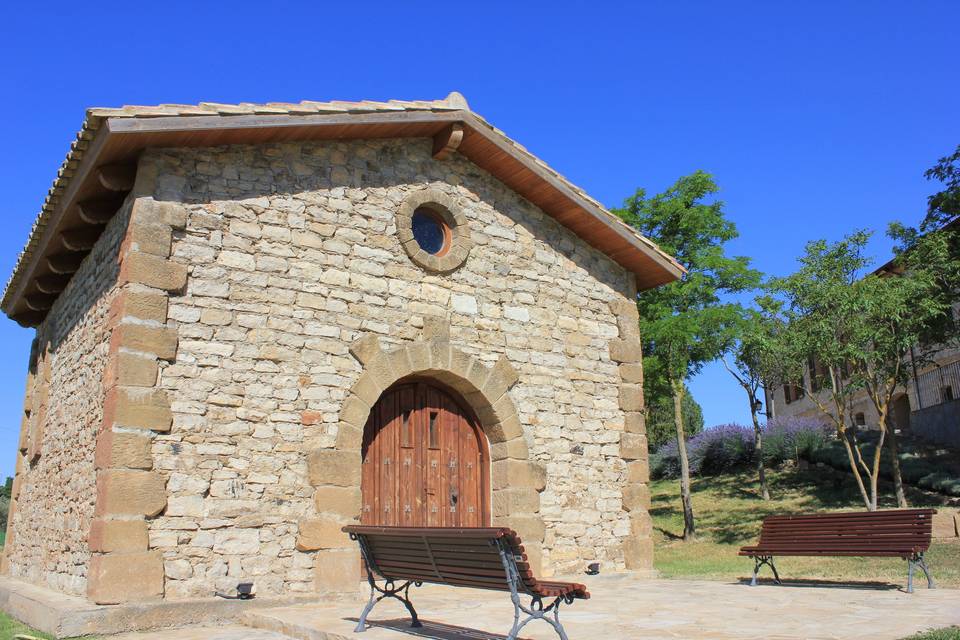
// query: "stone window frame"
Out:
[447,209]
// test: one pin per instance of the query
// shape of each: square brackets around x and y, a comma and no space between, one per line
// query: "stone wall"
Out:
[293,254]
[55,485]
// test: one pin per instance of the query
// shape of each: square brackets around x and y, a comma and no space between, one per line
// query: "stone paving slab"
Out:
[624,607]
[228,632]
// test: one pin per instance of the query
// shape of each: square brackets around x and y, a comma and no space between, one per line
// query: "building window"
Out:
[859,419]
[433,230]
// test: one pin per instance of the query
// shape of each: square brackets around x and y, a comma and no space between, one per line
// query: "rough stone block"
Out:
[633,446]
[419,355]
[515,501]
[515,449]
[631,397]
[632,372]
[147,211]
[636,497]
[367,389]
[349,437]
[436,328]
[638,471]
[118,535]
[153,271]
[635,422]
[440,355]
[638,553]
[132,493]
[641,525]
[503,431]
[123,451]
[137,408]
[518,473]
[160,341]
[321,533]
[337,570]
[115,578]
[625,351]
[330,467]
[131,369]
[381,371]
[530,528]
[142,305]
[354,411]
[152,239]
[502,377]
[399,362]
[342,501]
[365,348]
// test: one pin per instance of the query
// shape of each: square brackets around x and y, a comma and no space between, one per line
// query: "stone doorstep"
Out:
[64,616]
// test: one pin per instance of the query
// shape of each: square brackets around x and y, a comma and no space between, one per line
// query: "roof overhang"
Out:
[119,138]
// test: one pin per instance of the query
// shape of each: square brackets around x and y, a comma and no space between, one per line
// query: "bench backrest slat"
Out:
[454,556]
[893,532]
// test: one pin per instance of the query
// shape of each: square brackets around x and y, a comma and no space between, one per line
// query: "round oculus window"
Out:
[431,232]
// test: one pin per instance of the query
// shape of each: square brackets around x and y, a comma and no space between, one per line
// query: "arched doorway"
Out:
[425,460]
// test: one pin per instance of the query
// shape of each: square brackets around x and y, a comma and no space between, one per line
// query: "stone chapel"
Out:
[258,323]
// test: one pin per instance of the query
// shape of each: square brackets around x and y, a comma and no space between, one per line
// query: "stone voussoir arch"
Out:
[516,481]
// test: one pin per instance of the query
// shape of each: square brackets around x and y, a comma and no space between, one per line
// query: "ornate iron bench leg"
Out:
[918,561]
[759,561]
[536,611]
[401,593]
[388,591]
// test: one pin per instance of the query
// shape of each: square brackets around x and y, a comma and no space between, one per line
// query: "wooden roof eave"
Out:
[121,139]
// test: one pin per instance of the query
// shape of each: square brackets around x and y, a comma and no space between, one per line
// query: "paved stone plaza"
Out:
[622,607]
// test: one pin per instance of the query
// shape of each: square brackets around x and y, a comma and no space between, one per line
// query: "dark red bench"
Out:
[895,533]
[480,558]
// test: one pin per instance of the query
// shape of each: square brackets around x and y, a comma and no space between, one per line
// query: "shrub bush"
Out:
[729,446]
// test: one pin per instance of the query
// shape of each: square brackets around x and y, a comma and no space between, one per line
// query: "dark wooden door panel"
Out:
[424,461]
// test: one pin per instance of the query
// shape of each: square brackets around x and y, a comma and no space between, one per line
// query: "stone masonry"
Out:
[240,317]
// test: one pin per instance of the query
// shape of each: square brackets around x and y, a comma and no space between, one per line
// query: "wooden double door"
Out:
[425,461]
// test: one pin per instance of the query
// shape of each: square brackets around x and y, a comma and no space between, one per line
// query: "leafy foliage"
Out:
[943,206]
[660,427]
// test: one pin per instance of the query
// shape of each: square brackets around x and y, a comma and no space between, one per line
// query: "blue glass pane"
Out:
[428,232]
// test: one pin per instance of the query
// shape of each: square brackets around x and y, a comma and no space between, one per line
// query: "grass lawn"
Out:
[10,627]
[728,514]
[951,633]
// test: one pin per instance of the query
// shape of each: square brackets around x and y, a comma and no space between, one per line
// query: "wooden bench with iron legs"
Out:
[895,533]
[476,557]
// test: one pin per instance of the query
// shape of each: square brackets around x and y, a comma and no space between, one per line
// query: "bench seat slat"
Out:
[455,556]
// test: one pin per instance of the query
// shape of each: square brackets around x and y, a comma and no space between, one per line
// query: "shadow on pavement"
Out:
[434,630]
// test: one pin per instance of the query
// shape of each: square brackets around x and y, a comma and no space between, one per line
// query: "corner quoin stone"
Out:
[132,493]
[115,578]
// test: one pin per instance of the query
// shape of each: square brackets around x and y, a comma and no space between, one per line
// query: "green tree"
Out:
[756,355]
[685,324]
[660,426]
[943,206]
[862,329]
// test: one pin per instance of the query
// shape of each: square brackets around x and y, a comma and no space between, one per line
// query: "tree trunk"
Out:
[689,529]
[895,464]
[854,468]
[758,451]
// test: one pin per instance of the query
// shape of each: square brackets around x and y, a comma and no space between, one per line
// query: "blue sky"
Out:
[816,118]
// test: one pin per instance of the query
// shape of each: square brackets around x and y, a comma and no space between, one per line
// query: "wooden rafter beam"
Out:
[98,211]
[54,283]
[82,238]
[66,262]
[29,318]
[447,141]
[39,301]
[117,177]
